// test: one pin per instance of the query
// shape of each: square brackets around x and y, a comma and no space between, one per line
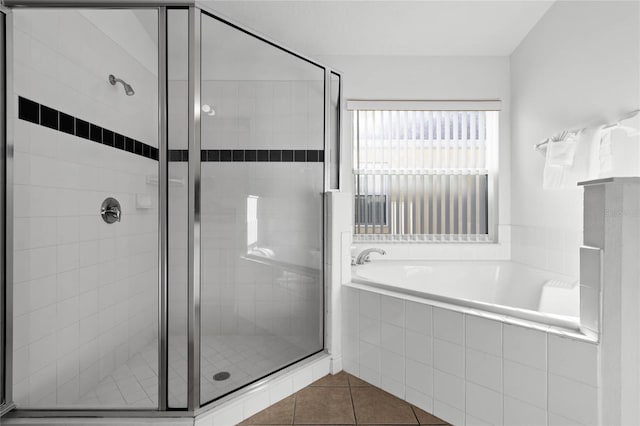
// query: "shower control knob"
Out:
[110,210]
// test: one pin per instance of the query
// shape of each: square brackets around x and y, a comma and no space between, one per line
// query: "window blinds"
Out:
[421,175]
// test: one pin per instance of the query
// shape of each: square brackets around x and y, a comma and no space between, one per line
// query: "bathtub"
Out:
[500,287]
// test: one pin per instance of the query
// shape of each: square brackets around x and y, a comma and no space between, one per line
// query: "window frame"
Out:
[492,162]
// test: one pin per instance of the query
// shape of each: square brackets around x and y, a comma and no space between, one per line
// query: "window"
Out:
[423,173]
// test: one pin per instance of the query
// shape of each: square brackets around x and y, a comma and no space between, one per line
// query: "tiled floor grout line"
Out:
[414,413]
[353,406]
[295,404]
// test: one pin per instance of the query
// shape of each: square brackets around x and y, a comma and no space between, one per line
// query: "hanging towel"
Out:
[619,148]
[630,124]
[560,159]
[605,155]
[561,150]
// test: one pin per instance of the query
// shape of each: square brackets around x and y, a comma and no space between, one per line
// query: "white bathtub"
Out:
[500,287]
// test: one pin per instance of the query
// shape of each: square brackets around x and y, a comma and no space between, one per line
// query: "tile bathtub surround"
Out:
[342,399]
[468,369]
[550,249]
[36,113]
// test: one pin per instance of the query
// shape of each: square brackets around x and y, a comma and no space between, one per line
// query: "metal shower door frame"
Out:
[196,10]
[6,218]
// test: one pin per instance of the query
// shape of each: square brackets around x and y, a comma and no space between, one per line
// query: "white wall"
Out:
[579,66]
[432,78]
[57,45]
[85,293]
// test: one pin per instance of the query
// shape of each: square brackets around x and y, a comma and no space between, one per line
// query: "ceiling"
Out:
[402,28]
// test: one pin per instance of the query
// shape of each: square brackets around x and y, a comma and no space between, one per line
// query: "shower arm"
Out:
[128,90]
[113,80]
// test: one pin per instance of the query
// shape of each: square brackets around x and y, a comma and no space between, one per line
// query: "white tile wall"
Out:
[419,317]
[517,412]
[501,250]
[484,404]
[85,292]
[449,413]
[392,338]
[263,114]
[448,325]
[369,330]
[419,377]
[484,369]
[474,370]
[547,248]
[525,346]
[483,335]
[393,311]
[535,390]
[54,65]
[573,359]
[449,389]
[448,357]
[591,269]
[246,297]
[338,236]
[573,400]
[418,347]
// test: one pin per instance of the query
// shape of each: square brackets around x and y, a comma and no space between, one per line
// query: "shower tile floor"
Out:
[342,399]
[246,358]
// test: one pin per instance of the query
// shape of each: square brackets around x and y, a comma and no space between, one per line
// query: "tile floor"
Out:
[247,358]
[342,399]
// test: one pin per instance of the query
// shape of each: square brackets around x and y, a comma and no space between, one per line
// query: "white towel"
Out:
[605,154]
[631,124]
[562,152]
[553,176]
[619,149]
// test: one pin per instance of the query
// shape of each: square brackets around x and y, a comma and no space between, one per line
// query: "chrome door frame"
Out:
[194,212]
[196,9]
[6,216]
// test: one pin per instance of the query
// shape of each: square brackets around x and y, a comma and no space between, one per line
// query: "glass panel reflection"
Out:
[262,211]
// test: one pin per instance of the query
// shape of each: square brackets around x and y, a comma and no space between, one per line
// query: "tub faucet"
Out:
[363,257]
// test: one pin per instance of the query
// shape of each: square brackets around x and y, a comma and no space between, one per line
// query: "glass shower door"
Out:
[262,169]
[85,208]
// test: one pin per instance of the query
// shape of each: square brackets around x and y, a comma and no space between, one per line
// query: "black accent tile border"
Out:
[43,115]
[28,110]
[67,124]
[252,155]
[82,129]
[49,117]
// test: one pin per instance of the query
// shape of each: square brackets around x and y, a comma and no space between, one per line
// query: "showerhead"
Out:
[127,87]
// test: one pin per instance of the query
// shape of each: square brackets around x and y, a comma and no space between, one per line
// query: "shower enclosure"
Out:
[165,215]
